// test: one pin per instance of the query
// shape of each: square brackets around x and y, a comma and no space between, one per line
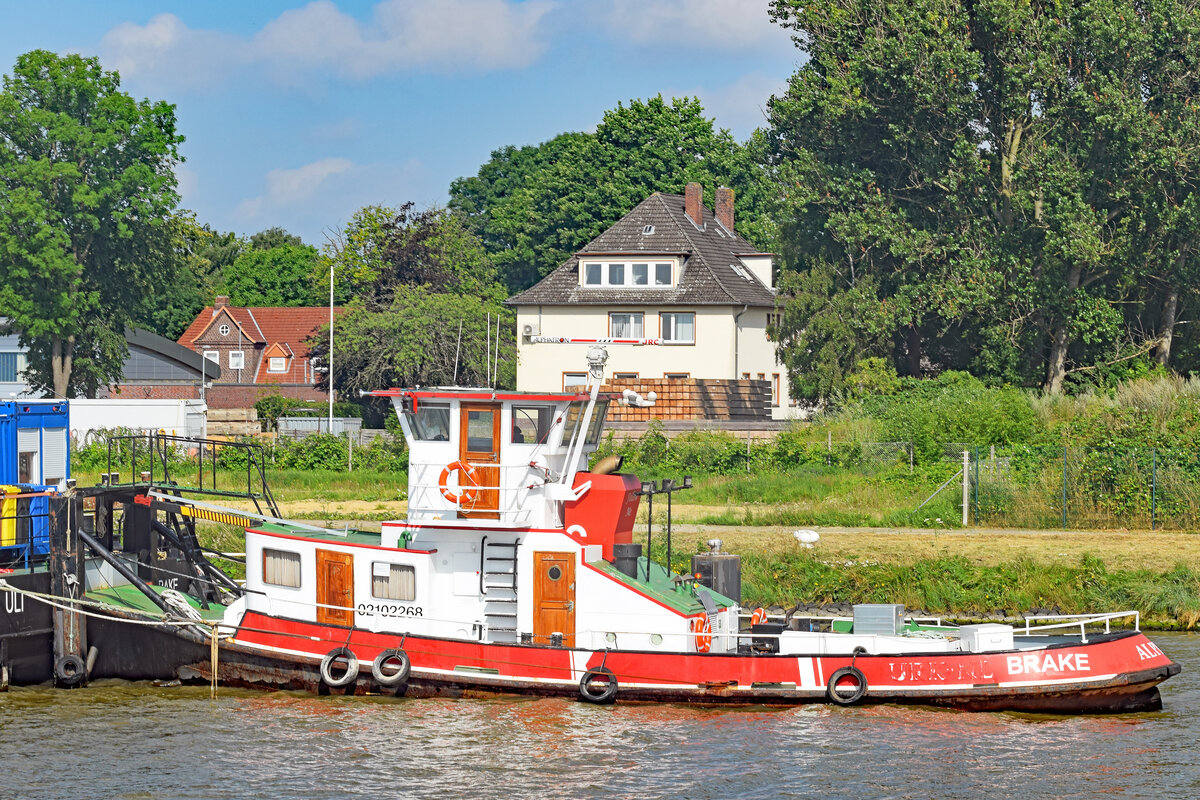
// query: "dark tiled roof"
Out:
[707,277]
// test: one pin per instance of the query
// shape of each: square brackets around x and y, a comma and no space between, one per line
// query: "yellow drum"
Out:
[8,515]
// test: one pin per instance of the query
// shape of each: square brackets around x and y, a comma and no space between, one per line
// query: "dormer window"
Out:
[277,364]
[627,274]
[648,230]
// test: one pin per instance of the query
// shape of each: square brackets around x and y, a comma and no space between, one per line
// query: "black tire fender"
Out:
[69,670]
[339,654]
[394,679]
[846,699]
[598,675]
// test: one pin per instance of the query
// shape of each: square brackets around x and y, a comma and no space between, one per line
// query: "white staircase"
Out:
[498,584]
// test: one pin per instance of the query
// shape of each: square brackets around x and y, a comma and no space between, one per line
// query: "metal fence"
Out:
[299,427]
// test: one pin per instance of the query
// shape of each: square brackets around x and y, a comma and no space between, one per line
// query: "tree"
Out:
[534,206]
[201,255]
[279,276]
[986,185]
[273,237]
[86,192]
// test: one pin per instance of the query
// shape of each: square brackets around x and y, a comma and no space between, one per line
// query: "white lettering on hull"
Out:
[14,603]
[1048,662]
[1149,651]
[953,671]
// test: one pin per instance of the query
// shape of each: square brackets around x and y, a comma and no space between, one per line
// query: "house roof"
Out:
[264,324]
[708,253]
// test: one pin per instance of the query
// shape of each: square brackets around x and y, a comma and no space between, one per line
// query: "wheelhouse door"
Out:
[480,448]
[554,597]
[335,588]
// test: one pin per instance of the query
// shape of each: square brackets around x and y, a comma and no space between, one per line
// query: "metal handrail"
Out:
[1082,620]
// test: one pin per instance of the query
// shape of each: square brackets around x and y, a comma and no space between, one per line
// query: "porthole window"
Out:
[555,573]
[223,330]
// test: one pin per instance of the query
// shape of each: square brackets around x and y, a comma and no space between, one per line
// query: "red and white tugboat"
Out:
[515,572]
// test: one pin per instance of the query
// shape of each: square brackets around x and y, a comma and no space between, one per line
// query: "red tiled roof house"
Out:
[261,351]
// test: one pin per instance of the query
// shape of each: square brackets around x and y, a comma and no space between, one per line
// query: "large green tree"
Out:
[534,206]
[990,185]
[87,188]
[281,275]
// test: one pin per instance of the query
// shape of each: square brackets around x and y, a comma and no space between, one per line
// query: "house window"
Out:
[625,376]
[678,328]
[775,389]
[237,359]
[677,376]
[762,376]
[393,581]
[626,274]
[531,424]
[773,322]
[574,380]
[8,367]
[214,356]
[281,568]
[745,376]
[276,364]
[626,325]
[223,330]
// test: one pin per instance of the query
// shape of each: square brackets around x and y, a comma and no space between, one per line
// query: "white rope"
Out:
[52,600]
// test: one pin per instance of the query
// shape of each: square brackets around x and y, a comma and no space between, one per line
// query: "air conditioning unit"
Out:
[530,329]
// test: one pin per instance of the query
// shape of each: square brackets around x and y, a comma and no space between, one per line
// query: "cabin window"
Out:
[430,423]
[281,568]
[480,427]
[393,581]
[575,418]
[531,424]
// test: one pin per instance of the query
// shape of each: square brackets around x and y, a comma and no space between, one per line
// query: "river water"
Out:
[130,740]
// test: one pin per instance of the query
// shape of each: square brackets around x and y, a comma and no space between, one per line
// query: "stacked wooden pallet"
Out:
[693,398]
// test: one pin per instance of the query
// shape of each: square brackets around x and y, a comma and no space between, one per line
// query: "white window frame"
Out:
[214,356]
[395,573]
[671,338]
[606,273]
[636,331]
[574,380]
[223,329]
[237,359]
[295,565]
[271,364]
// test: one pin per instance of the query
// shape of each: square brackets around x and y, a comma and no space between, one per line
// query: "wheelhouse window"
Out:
[393,581]
[625,325]
[281,568]
[531,424]
[646,274]
[575,419]
[678,328]
[430,422]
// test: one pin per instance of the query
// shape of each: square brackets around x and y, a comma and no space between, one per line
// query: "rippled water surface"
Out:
[123,740]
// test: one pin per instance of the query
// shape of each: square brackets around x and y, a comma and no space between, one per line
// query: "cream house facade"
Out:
[670,269]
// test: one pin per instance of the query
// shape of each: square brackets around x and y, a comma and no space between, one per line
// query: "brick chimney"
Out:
[724,207]
[221,301]
[693,198]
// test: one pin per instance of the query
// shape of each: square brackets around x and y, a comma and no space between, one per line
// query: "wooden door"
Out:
[335,587]
[479,446]
[554,597]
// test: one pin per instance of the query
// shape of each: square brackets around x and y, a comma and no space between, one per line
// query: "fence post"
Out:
[1064,497]
[977,481]
[966,485]
[1153,484]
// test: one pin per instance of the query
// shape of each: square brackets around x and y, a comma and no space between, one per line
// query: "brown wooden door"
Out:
[335,587]
[479,446]
[554,597]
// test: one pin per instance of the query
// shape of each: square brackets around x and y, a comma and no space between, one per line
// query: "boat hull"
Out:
[1110,673]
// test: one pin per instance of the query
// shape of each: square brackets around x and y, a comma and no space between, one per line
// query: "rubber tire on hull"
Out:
[351,674]
[609,693]
[847,699]
[399,677]
[69,670]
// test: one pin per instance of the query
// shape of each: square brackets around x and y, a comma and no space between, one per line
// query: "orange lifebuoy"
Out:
[466,493]
[703,630]
[758,616]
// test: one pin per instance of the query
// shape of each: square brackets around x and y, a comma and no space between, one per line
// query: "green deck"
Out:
[661,587]
[129,596]
[351,537]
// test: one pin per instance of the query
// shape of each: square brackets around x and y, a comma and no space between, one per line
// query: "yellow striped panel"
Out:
[237,520]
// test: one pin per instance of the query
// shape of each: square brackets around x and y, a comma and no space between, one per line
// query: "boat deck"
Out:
[130,597]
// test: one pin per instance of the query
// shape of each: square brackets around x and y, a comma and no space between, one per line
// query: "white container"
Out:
[986,638]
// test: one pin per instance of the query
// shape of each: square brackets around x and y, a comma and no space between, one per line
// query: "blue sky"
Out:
[296,114]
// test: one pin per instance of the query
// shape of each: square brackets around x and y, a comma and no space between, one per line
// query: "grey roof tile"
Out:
[708,252]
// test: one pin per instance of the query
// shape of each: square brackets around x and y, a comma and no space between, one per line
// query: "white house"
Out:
[668,269]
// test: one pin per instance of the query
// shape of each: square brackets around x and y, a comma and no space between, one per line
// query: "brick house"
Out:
[260,351]
[670,269]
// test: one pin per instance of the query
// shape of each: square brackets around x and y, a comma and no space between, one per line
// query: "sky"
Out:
[297,114]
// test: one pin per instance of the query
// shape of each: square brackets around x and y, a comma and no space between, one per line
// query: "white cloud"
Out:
[724,25]
[445,36]
[292,187]
[740,106]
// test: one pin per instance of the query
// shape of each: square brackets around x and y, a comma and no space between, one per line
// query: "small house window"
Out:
[214,356]
[8,367]
[591,274]
[616,274]
[574,380]
[393,581]
[676,376]
[679,328]
[621,274]
[775,389]
[223,330]
[281,568]
[625,325]
[641,274]
[276,364]
[662,274]
[237,359]
[625,376]
[648,230]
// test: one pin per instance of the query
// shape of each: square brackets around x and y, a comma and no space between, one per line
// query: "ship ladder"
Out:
[498,585]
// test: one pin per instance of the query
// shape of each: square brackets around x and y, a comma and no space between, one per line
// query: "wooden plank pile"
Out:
[693,398]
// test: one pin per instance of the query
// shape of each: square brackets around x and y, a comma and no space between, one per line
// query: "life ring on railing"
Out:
[758,616]
[860,686]
[394,659]
[466,493]
[346,678]
[703,630]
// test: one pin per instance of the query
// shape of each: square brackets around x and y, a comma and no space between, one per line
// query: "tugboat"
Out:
[515,571]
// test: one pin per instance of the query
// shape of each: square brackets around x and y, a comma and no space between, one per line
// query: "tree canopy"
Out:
[1002,188]
[534,206]
[87,187]
[282,275]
